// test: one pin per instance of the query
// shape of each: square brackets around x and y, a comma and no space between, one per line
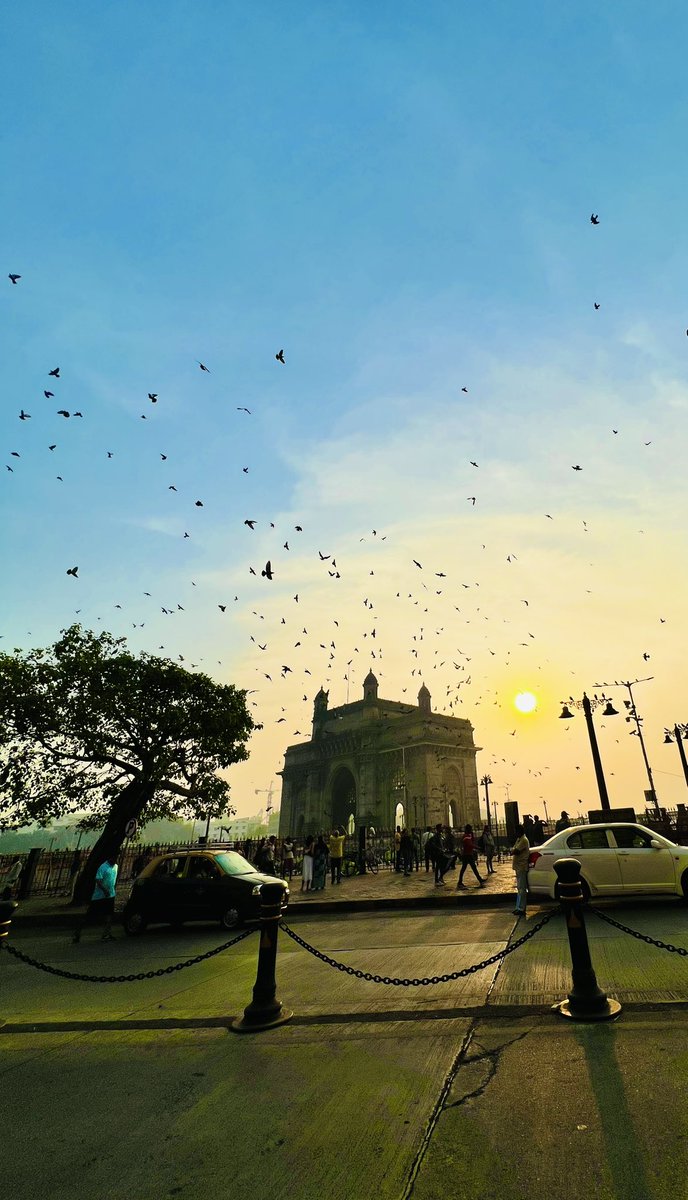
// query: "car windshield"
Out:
[233,863]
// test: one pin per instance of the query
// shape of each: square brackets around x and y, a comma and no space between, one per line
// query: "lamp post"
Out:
[679,732]
[634,716]
[486,781]
[588,705]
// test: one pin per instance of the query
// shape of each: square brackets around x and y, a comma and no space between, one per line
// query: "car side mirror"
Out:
[655,844]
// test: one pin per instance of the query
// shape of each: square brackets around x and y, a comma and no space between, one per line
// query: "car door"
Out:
[591,845]
[644,867]
[201,883]
[164,888]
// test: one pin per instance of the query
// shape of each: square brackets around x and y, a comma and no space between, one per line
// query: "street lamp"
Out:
[486,781]
[588,705]
[679,732]
[637,732]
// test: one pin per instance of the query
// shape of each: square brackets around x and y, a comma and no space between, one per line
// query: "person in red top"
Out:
[468,857]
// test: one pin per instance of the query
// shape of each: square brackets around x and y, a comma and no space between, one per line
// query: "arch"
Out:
[399,816]
[342,806]
[454,792]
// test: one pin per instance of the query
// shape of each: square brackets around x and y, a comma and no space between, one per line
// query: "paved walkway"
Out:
[387,889]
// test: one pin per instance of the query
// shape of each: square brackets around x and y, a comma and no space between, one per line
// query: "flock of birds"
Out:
[431,599]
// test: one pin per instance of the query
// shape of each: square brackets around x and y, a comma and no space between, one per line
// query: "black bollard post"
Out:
[265,1010]
[7,908]
[586,1001]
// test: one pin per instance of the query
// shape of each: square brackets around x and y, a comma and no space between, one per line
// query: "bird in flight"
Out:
[203,366]
[72,571]
[24,416]
[199,504]
[62,412]
[576,468]
[251,524]
[48,395]
[13,278]
[463,389]
[472,500]
[594,219]
[53,447]
[163,457]
[596,307]
[473,464]
[246,410]
[55,373]
[267,573]
[153,397]
[280,356]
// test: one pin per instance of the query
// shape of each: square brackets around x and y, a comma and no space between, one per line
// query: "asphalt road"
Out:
[469,1088]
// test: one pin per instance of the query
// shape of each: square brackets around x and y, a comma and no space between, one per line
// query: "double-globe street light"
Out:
[678,734]
[588,706]
[633,715]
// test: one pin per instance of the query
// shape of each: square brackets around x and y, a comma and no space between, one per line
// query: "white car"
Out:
[616,859]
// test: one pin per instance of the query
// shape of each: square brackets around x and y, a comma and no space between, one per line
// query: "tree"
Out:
[89,729]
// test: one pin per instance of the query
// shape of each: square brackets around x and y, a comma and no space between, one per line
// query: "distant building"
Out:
[381,763]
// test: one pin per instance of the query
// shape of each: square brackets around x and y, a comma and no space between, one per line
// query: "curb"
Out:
[450,900]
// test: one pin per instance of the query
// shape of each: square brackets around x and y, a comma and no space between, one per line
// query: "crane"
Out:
[266,792]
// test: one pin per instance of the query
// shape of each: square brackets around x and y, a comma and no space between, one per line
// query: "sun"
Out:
[525,702]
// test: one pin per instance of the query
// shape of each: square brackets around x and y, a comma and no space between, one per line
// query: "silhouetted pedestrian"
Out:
[101,908]
[468,857]
[520,854]
[489,848]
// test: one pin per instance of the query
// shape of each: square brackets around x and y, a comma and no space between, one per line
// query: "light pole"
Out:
[679,732]
[588,705]
[486,781]
[633,716]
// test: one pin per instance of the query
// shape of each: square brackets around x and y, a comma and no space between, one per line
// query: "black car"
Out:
[197,885]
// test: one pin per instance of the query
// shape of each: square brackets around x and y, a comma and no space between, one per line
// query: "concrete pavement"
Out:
[471,1088]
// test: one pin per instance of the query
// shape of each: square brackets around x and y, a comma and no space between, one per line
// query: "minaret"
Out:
[370,688]
[424,700]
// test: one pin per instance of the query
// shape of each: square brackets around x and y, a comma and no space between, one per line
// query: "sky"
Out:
[399,198]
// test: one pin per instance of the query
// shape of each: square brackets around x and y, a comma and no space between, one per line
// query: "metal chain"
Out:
[642,937]
[370,978]
[189,962]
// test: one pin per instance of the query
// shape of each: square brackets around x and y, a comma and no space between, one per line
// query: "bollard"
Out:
[7,908]
[586,1001]
[265,1010]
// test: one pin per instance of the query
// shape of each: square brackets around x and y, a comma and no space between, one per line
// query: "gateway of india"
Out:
[380,763]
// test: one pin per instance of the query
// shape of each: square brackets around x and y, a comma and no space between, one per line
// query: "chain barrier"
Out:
[370,978]
[189,962]
[642,937]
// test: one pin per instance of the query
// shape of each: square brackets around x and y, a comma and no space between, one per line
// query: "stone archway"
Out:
[453,785]
[342,798]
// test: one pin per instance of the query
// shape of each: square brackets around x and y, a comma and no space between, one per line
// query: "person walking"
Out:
[320,864]
[489,848]
[539,835]
[101,908]
[520,853]
[415,839]
[469,855]
[397,848]
[440,858]
[406,852]
[336,852]
[426,847]
[564,822]
[287,859]
[307,865]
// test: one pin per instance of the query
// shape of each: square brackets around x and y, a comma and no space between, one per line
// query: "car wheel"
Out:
[231,918]
[584,888]
[134,922]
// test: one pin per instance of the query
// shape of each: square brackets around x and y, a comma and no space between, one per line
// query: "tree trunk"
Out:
[130,802]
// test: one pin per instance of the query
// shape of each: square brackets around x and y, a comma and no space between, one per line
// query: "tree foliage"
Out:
[89,729]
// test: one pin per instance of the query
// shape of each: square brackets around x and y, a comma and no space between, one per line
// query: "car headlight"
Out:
[256,889]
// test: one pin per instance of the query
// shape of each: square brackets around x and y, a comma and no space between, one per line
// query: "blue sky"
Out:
[400,197]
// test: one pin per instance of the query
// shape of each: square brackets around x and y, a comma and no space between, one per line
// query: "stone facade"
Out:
[366,758]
